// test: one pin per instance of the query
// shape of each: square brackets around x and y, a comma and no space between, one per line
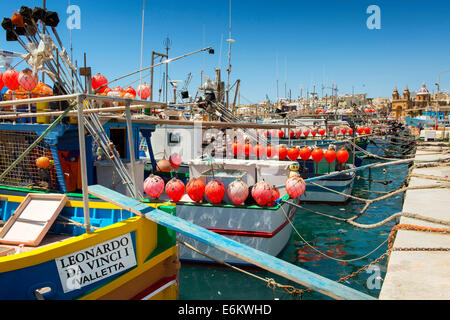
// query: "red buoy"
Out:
[291,134]
[314,132]
[11,79]
[344,131]
[237,191]
[154,186]
[175,189]
[317,154]
[282,152]
[1,81]
[195,189]
[237,148]
[295,187]
[342,155]
[293,153]
[262,193]
[330,155]
[248,149]
[259,151]
[298,133]
[270,151]
[144,90]
[215,191]
[305,153]
[280,133]
[367,130]
[274,197]
[306,132]
[28,79]
[322,131]
[360,130]
[350,131]
[175,160]
[97,81]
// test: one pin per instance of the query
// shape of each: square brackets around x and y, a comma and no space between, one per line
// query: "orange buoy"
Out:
[175,189]
[43,162]
[282,152]
[317,154]
[175,160]
[275,194]
[131,91]
[215,191]
[330,155]
[195,189]
[293,153]
[163,165]
[154,186]
[305,153]
[237,191]
[295,186]
[262,193]
[342,155]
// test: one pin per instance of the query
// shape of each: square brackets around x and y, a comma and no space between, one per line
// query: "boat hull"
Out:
[265,229]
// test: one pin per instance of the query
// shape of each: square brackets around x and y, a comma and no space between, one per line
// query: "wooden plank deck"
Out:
[249,254]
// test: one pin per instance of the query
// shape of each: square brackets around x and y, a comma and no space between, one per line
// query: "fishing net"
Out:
[26,173]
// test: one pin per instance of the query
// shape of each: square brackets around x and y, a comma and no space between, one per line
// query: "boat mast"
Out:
[230,41]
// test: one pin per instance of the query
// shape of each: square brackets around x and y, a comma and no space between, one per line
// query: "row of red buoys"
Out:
[100,85]
[237,191]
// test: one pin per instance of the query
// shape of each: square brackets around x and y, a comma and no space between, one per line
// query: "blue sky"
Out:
[314,42]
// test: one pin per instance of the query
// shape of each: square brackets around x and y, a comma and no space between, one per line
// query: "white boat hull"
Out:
[265,229]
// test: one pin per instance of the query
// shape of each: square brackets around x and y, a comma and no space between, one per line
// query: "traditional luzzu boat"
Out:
[121,257]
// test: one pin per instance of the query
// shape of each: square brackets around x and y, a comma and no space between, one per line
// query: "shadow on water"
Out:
[333,238]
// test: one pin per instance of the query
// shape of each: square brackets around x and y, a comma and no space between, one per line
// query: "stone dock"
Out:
[416,274]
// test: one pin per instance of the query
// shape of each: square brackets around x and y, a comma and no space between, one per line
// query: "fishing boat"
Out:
[266,228]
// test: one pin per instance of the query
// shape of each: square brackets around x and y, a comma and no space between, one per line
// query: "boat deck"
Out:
[49,239]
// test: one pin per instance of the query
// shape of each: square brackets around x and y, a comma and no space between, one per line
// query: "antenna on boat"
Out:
[167,43]
[142,40]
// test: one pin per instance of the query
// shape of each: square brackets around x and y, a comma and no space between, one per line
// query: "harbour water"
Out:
[333,238]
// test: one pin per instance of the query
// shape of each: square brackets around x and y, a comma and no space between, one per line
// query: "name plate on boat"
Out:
[96,263]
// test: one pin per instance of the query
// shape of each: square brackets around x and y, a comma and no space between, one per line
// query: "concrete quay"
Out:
[422,275]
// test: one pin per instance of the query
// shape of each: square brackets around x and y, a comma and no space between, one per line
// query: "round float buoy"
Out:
[259,151]
[295,187]
[314,132]
[322,131]
[144,90]
[237,191]
[350,131]
[195,189]
[154,186]
[215,191]
[248,149]
[317,154]
[262,193]
[175,160]
[282,152]
[280,133]
[305,153]
[330,155]
[237,148]
[175,189]
[293,153]
[367,130]
[291,134]
[163,165]
[28,79]
[97,81]
[359,130]
[275,194]
[270,151]
[298,133]
[42,162]
[344,131]
[342,155]
[11,79]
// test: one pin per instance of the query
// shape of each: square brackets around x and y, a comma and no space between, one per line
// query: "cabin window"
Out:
[118,137]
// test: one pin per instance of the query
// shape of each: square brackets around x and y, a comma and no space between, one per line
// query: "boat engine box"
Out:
[109,178]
